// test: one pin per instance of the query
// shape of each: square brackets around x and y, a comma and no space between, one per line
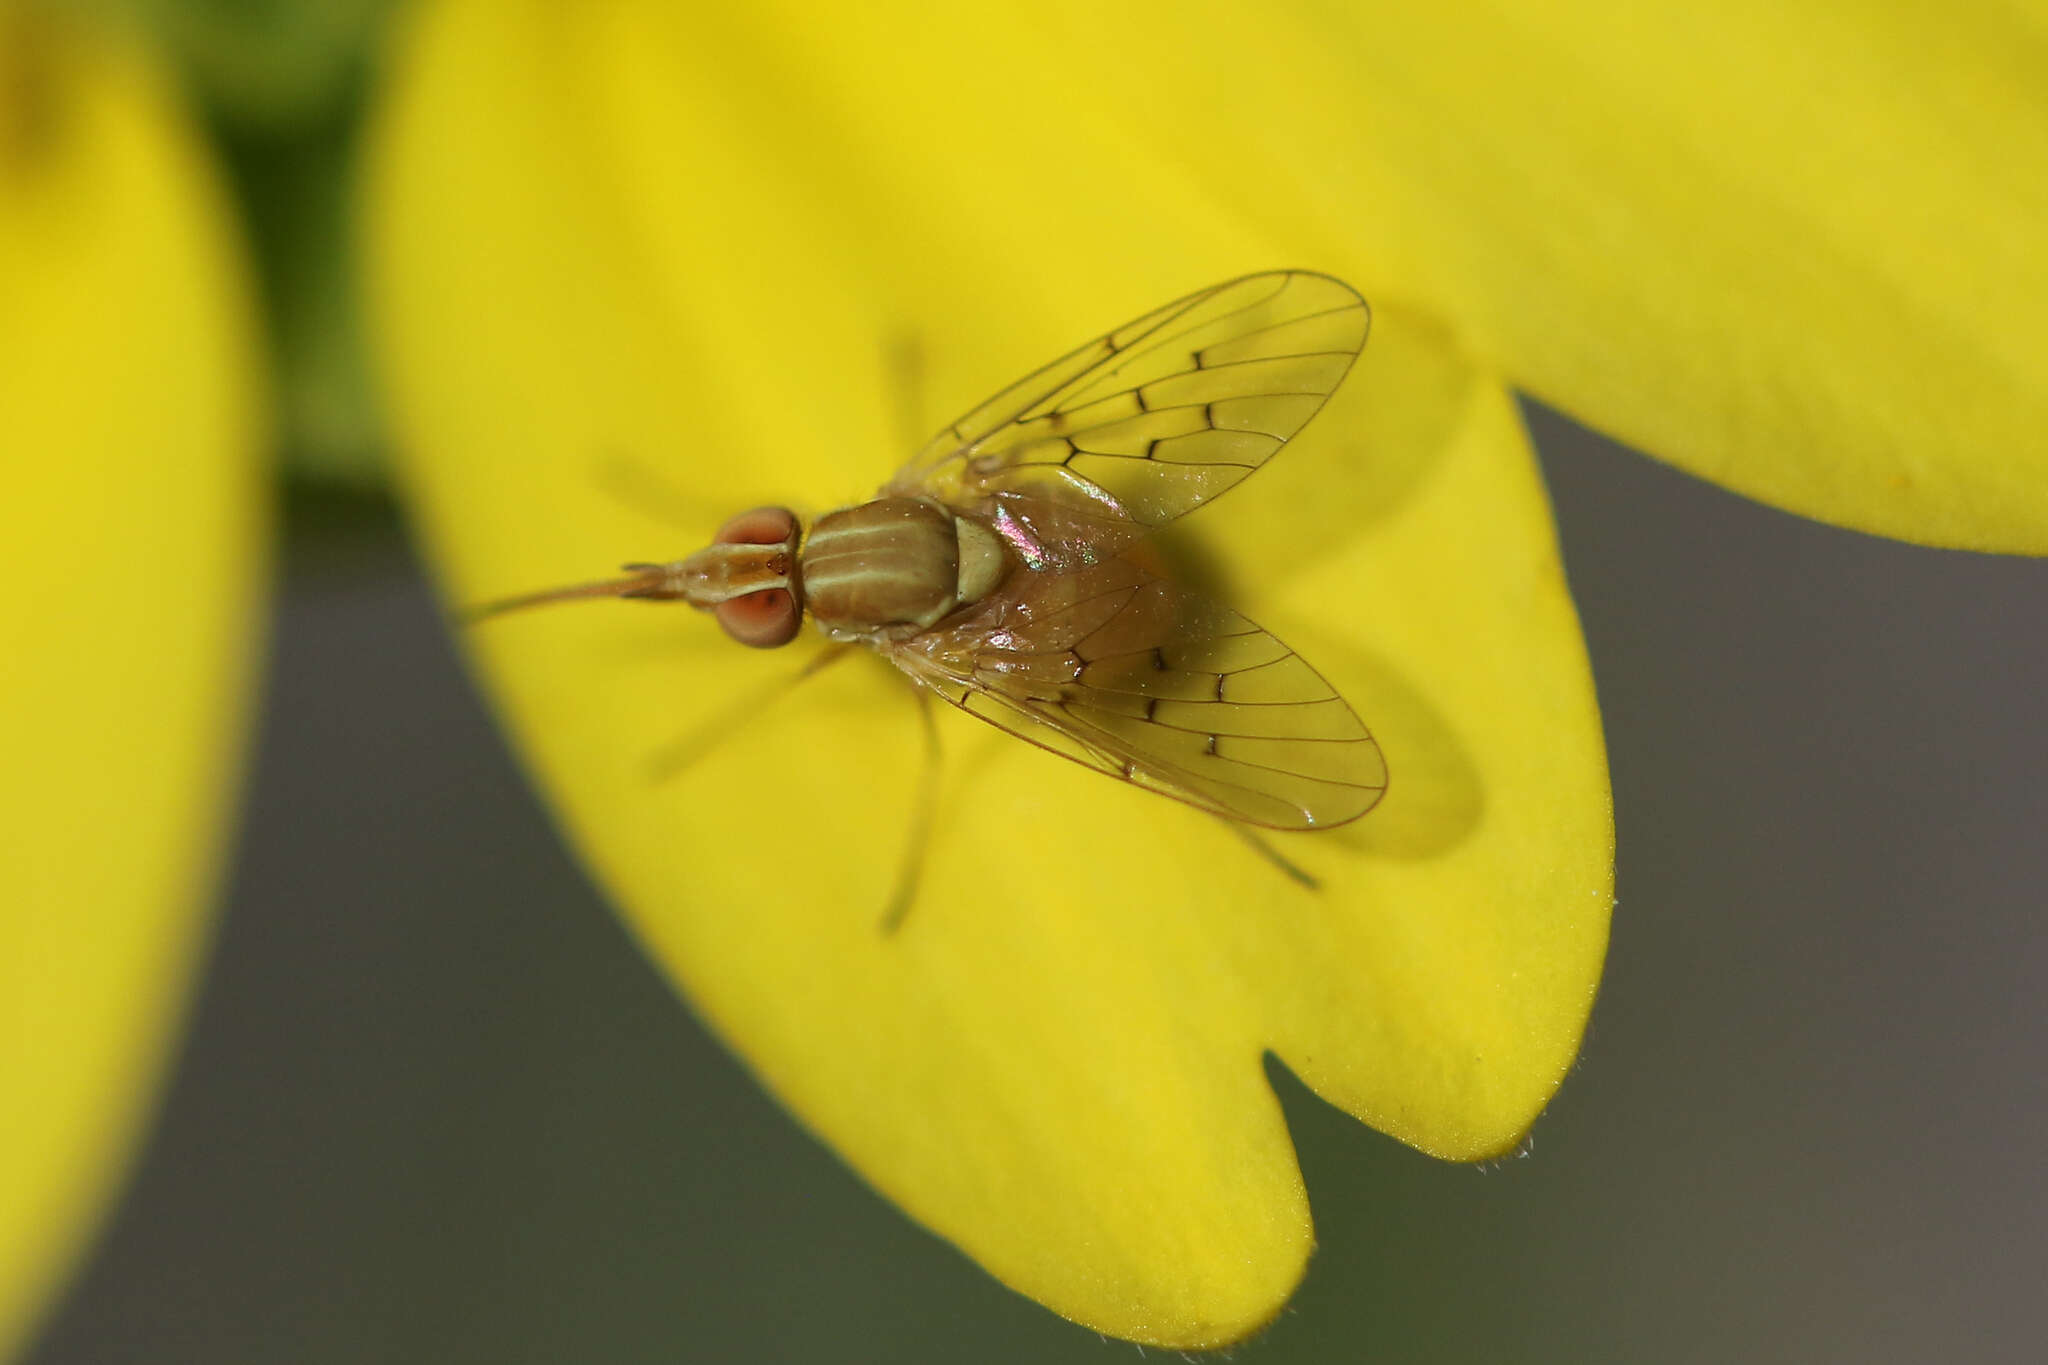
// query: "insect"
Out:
[1005,567]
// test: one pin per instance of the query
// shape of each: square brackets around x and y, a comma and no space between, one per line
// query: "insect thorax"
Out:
[896,565]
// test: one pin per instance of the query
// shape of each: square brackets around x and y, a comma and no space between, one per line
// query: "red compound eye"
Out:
[770,617]
[762,619]
[761,526]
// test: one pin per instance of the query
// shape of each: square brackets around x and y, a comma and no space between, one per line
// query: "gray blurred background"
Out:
[433,1106]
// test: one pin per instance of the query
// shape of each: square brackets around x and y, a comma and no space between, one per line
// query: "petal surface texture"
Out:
[606,232]
[129,394]
[1792,249]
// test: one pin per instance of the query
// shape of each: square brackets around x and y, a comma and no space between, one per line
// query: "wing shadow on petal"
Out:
[1435,797]
[1369,451]
[1383,434]
[1434,801]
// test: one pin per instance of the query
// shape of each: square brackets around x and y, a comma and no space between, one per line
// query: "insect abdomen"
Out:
[894,563]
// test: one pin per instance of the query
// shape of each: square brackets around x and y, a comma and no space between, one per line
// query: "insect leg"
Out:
[642,490]
[1271,854]
[912,867]
[903,357]
[679,755]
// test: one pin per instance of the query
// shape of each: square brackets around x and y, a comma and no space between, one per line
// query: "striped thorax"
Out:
[895,566]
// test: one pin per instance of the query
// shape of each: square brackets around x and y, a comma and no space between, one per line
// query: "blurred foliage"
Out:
[283,86]
[271,65]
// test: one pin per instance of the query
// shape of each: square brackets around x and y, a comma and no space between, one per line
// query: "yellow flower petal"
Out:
[1794,249]
[128,399]
[598,232]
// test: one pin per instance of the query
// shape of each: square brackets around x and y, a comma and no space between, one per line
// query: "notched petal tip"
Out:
[1055,1063]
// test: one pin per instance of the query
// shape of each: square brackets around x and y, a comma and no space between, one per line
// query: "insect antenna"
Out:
[642,580]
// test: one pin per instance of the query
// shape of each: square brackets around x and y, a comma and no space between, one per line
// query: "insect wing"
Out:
[1159,686]
[1146,424]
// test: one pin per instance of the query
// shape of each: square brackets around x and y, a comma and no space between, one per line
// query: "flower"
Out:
[601,232]
[130,389]
[1786,251]
[612,229]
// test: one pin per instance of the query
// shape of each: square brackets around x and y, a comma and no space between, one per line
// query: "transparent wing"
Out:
[1146,424]
[1157,686]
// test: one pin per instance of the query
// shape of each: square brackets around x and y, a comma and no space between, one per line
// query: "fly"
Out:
[1003,567]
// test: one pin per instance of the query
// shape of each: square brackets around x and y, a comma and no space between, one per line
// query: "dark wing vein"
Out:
[1161,687]
[1141,426]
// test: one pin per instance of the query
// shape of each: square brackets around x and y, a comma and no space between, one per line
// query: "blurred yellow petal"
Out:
[128,398]
[1794,249]
[606,231]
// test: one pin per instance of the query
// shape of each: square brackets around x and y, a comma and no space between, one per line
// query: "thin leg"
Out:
[648,493]
[904,358]
[676,757]
[1272,854]
[911,870]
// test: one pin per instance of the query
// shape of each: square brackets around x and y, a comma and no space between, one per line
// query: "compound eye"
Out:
[762,619]
[770,617]
[760,526]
